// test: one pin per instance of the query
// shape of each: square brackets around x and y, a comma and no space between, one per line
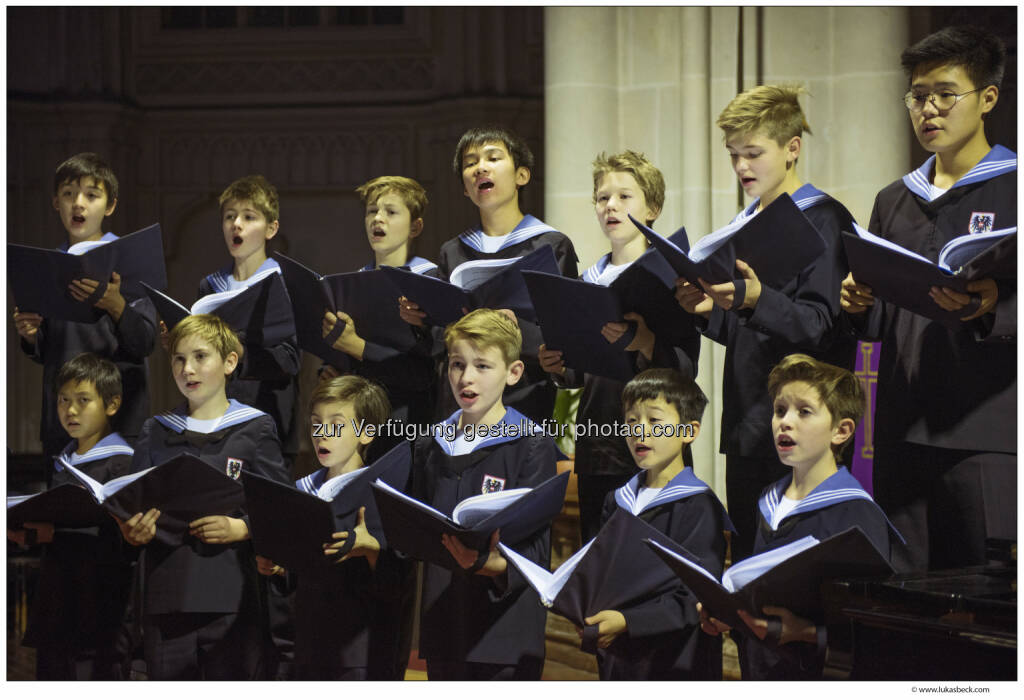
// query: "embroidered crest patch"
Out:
[492,484]
[234,468]
[982,222]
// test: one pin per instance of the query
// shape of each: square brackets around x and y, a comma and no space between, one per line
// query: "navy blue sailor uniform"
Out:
[804,317]
[78,616]
[834,506]
[534,394]
[266,377]
[353,622]
[475,627]
[945,431]
[127,343]
[602,464]
[203,601]
[663,639]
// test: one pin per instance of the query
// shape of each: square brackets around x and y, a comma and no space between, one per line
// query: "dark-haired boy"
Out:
[658,637]
[85,576]
[762,128]
[84,193]
[203,618]
[494,165]
[945,464]
[815,407]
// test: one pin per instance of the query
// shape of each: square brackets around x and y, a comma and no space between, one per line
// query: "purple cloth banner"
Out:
[866,370]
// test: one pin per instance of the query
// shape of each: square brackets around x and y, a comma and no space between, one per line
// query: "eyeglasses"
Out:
[943,101]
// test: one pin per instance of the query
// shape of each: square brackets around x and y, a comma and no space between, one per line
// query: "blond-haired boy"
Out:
[763,132]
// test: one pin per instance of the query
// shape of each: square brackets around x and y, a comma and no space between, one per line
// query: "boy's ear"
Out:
[793,149]
[843,431]
[416,228]
[110,209]
[989,98]
[365,438]
[688,438]
[272,229]
[515,372]
[230,362]
[112,408]
[653,213]
[522,175]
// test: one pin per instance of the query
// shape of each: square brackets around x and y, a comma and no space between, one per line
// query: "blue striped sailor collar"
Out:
[311,483]
[804,198]
[512,426]
[415,264]
[593,273]
[997,161]
[528,228]
[841,486]
[223,280]
[236,414]
[682,485]
[109,446]
[105,238]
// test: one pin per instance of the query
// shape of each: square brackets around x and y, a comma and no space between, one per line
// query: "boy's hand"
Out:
[140,528]
[724,294]
[711,625]
[507,312]
[855,298]
[349,341]
[41,533]
[693,299]
[551,360]
[410,312]
[643,341]
[493,565]
[27,325]
[267,567]
[794,629]
[951,300]
[112,302]
[366,545]
[610,624]
[165,336]
[219,529]
[328,372]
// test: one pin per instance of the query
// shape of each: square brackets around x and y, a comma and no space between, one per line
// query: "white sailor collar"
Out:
[997,161]
[683,485]
[311,483]
[415,264]
[804,198]
[512,426]
[236,414]
[105,238]
[528,228]
[109,446]
[223,279]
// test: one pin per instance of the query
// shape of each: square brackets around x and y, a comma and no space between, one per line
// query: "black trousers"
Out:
[945,503]
[203,646]
[528,669]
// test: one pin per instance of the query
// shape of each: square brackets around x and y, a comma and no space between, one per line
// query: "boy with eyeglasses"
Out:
[945,424]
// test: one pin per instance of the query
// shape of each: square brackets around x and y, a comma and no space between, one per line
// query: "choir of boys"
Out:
[787,418]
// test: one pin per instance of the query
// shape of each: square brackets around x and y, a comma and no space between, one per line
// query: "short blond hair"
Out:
[411,193]
[650,179]
[772,110]
[487,328]
[257,190]
[208,327]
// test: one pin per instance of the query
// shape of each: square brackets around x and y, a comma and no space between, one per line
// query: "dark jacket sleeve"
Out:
[136,330]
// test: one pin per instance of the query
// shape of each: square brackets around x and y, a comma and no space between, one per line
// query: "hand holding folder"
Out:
[260,313]
[778,243]
[40,278]
[904,278]
[415,528]
[787,577]
[290,526]
[182,489]
[476,284]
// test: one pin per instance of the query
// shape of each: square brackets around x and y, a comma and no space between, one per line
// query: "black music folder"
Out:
[904,278]
[790,576]
[39,277]
[260,313]
[183,489]
[289,526]
[778,243]
[66,505]
[476,284]
[370,297]
[415,528]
